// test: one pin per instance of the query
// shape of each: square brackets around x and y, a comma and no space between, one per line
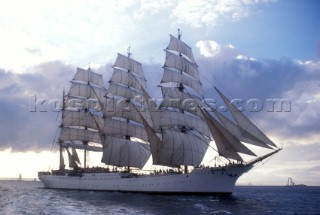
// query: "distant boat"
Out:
[20,177]
[291,183]
[126,126]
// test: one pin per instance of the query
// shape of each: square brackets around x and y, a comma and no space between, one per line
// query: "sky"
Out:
[250,49]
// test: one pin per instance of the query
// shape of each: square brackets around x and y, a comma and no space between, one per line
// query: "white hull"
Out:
[201,181]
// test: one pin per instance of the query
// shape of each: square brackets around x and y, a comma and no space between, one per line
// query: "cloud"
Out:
[210,13]
[208,48]
[150,7]
[244,77]
[297,81]
[297,131]
[41,41]
[21,128]
[220,65]
[26,124]
[79,32]
[295,161]
[221,53]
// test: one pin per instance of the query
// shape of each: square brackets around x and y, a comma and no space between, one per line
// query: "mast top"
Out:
[179,34]
[128,51]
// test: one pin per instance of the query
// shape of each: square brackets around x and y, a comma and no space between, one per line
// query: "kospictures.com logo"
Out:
[140,104]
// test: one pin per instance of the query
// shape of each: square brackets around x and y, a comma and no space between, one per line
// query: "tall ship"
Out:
[152,147]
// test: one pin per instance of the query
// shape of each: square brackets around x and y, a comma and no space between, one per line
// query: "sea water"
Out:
[26,197]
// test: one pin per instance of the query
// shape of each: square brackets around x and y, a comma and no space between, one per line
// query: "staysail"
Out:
[249,130]
[238,132]
[227,144]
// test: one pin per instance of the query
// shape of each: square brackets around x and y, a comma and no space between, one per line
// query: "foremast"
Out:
[185,135]
[186,131]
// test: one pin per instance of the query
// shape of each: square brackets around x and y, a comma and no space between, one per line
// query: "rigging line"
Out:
[144,145]
[53,145]
[214,140]
[55,135]
[215,78]
[222,161]
[218,158]
[209,82]
[96,120]
[100,103]
[100,130]
[263,162]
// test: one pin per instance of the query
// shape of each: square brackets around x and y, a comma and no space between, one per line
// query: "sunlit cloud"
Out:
[208,48]
[210,13]
[267,79]
[16,163]
[79,32]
